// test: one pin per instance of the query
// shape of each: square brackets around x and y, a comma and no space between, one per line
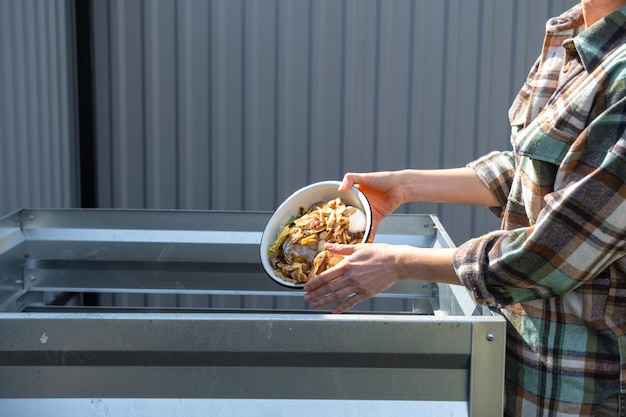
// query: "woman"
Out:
[557,268]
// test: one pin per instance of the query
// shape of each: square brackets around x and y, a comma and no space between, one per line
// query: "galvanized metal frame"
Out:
[217,359]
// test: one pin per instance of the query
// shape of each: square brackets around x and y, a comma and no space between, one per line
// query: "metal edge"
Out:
[12,259]
[487,368]
[454,298]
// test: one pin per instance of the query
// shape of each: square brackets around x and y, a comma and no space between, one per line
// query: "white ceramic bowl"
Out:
[304,197]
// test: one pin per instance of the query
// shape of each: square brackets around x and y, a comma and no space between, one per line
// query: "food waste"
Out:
[298,253]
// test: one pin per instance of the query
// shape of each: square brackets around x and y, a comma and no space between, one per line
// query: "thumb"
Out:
[339,249]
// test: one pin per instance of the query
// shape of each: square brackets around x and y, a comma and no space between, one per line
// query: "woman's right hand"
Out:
[387,190]
[381,189]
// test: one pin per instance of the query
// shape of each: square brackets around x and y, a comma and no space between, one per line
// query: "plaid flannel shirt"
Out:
[557,268]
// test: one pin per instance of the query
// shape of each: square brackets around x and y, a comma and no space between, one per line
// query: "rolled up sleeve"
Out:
[579,232]
[496,171]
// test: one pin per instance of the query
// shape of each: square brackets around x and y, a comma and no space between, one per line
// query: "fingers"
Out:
[333,296]
[352,178]
[333,273]
[325,288]
[312,287]
[348,303]
[340,249]
[346,182]
[330,287]
[334,292]
[337,291]
[365,270]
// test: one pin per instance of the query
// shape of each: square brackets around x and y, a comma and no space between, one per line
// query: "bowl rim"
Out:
[362,198]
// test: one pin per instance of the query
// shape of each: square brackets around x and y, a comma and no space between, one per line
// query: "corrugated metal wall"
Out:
[38,131]
[234,104]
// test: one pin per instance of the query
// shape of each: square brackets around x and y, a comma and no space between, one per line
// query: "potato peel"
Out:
[298,254]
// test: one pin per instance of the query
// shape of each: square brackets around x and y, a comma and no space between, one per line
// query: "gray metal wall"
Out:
[38,132]
[234,104]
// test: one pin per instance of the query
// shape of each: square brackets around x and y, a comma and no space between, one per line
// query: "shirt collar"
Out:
[570,21]
[596,42]
[592,44]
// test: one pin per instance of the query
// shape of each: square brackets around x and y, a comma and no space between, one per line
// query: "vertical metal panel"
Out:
[260,104]
[37,105]
[462,98]
[193,87]
[128,103]
[160,79]
[234,104]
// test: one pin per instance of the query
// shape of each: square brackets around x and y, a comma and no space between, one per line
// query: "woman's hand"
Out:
[387,190]
[370,268]
[366,270]
[382,191]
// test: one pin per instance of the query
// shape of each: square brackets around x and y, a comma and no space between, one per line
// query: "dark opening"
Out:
[86,134]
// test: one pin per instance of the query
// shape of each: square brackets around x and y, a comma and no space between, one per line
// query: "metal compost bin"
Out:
[169,313]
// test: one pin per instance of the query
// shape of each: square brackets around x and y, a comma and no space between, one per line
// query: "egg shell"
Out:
[358,222]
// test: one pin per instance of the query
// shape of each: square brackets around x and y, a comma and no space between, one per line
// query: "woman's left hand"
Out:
[366,270]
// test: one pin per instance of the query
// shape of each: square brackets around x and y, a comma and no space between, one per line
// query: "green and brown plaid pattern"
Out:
[557,269]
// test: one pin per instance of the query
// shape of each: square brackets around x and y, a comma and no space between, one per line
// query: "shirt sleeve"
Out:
[496,171]
[579,233]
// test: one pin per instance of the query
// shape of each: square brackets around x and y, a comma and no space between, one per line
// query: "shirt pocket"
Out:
[535,143]
[559,122]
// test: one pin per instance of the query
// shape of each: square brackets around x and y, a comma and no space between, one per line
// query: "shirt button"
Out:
[567,67]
